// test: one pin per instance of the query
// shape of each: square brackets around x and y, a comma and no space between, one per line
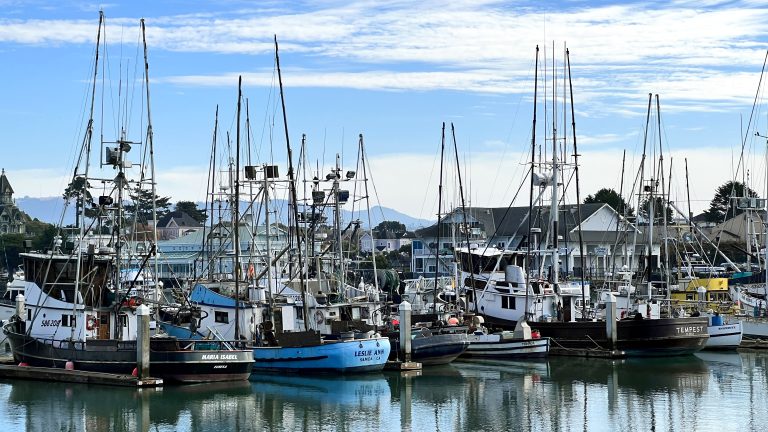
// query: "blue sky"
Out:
[394,70]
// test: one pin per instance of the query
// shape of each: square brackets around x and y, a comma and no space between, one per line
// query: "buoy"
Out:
[135,372]
[69,366]
[453,321]
[23,364]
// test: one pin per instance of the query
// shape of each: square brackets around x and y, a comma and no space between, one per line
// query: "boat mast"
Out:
[269,245]
[666,194]
[292,186]
[439,214]
[150,142]
[337,225]
[206,256]
[80,210]
[533,181]
[236,213]
[554,205]
[463,207]
[578,193]
[368,209]
[642,189]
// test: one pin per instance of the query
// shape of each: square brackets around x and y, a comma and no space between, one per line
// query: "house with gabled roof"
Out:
[604,233]
[176,224]
[12,219]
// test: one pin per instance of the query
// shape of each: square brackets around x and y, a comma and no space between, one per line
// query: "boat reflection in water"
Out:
[681,393]
[76,407]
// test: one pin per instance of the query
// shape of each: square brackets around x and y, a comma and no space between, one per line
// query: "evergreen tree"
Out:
[191,209]
[613,199]
[723,205]
[140,207]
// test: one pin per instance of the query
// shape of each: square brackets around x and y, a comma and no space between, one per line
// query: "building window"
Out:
[221,317]
[447,245]
[431,269]
[418,265]
[417,245]
[507,302]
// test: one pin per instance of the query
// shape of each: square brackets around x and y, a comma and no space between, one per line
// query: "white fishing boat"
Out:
[506,345]
[77,313]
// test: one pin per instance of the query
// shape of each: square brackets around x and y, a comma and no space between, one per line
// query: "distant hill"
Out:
[49,210]
[46,209]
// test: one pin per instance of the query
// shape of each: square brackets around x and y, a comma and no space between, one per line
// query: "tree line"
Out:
[723,205]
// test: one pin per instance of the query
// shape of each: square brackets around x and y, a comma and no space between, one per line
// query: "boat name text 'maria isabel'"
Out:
[219,357]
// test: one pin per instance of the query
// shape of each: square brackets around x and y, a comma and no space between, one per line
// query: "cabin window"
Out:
[507,302]
[470,296]
[123,320]
[68,321]
[29,314]
[221,317]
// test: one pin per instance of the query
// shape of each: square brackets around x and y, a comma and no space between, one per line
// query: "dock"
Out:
[75,376]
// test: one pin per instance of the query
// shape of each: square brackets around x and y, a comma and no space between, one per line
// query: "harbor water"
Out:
[724,391]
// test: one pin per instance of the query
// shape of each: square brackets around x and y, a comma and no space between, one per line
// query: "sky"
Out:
[394,71]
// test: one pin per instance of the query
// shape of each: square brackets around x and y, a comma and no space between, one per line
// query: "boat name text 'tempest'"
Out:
[690,330]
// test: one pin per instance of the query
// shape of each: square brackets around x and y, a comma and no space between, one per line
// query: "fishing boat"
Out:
[76,312]
[498,283]
[273,320]
[431,346]
[505,344]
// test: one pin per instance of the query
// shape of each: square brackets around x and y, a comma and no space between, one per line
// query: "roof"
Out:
[511,221]
[5,186]
[179,218]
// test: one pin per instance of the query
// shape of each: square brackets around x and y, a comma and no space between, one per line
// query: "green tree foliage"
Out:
[140,207]
[722,206]
[382,262]
[387,228]
[658,216]
[41,235]
[613,199]
[79,187]
[191,209]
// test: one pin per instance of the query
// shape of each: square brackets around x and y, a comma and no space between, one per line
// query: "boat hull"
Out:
[438,348]
[636,338]
[345,356]
[724,337]
[179,366]
[484,346]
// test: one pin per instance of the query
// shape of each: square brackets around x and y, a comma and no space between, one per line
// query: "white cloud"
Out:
[710,52]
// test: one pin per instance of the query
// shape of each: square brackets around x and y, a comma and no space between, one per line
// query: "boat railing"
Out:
[427,284]
[722,306]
